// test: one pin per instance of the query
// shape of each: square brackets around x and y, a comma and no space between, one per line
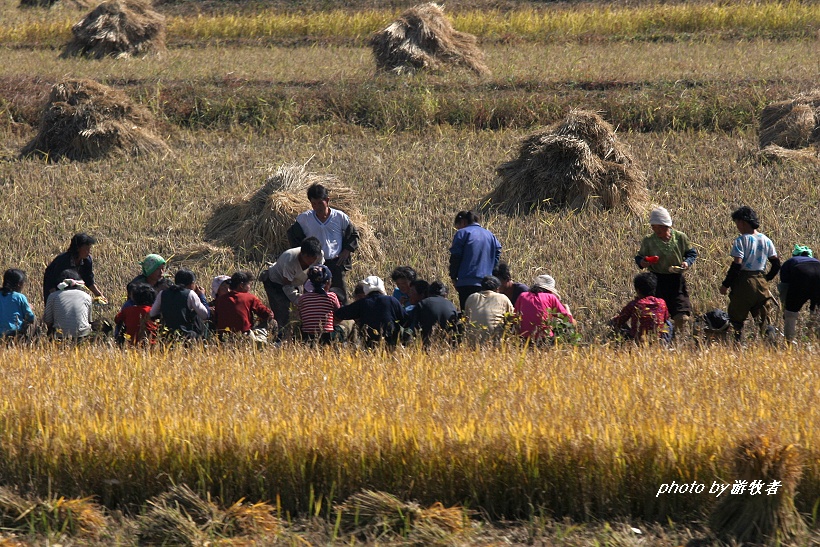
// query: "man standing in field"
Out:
[749,287]
[333,229]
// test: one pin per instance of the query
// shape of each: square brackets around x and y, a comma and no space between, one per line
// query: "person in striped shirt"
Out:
[316,308]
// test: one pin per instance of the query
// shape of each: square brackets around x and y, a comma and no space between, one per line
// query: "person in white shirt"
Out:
[68,311]
[334,230]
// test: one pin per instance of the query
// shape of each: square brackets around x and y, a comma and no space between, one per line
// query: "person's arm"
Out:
[261,311]
[196,304]
[350,239]
[350,311]
[622,319]
[296,235]
[156,308]
[87,273]
[774,269]
[731,275]
[497,252]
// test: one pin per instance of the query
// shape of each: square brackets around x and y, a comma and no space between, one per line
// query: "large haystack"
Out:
[118,28]
[791,124]
[422,38]
[257,225]
[85,120]
[575,163]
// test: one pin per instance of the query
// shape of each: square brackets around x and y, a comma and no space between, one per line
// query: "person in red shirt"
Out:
[237,309]
[139,328]
[646,314]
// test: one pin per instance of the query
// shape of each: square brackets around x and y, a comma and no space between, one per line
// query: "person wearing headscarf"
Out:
[68,311]
[799,283]
[667,253]
[746,280]
[153,273]
[381,315]
[539,307]
[317,306]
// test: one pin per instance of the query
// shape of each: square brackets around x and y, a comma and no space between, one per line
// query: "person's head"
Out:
[184,278]
[358,292]
[321,277]
[142,294]
[80,246]
[502,272]
[418,291]
[13,280]
[544,283]
[373,284]
[153,266]
[403,276]
[319,198]
[661,222]
[437,288]
[490,283]
[71,279]
[241,281]
[802,250]
[219,285]
[745,219]
[465,218]
[645,284]
[310,250]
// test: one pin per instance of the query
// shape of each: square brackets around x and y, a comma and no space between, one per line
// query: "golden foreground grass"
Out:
[578,432]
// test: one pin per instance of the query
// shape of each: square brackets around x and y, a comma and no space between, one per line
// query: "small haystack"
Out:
[575,163]
[118,28]
[422,38]
[257,225]
[85,120]
[791,124]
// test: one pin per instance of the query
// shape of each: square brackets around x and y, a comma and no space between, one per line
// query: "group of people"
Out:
[307,294]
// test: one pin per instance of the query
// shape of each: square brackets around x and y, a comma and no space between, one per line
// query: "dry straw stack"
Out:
[118,28]
[85,120]
[575,163]
[765,517]
[257,225]
[422,38]
[787,128]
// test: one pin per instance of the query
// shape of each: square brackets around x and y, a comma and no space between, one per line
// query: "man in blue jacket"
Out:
[473,255]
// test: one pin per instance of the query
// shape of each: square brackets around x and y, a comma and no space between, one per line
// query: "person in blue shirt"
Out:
[15,312]
[473,255]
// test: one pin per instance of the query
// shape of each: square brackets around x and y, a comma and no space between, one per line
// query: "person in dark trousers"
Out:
[77,258]
[799,283]
[182,308]
[746,279]
[335,231]
[433,312]
[474,255]
[381,315]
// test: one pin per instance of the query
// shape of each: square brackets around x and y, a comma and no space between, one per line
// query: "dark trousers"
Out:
[465,292]
[339,272]
[279,305]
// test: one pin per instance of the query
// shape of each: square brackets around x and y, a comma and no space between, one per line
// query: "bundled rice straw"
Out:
[575,163]
[773,153]
[118,28]
[86,120]
[791,124]
[257,225]
[422,38]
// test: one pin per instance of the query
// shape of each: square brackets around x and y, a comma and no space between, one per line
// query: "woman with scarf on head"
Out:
[799,283]
[68,311]
[539,307]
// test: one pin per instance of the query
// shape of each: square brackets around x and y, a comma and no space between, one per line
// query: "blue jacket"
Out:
[474,254]
[14,311]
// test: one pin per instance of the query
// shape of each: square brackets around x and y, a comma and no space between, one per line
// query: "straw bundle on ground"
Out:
[765,515]
[86,120]
[774,153]
[575,163]
[118,28]
[422,38]
[257,225]
[791,124]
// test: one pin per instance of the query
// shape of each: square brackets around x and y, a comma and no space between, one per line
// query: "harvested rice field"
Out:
[588,442]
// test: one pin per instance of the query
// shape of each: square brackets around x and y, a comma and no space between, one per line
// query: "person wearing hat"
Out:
[153,273]
[745,277]
[381,315]
[68,311]
[667,253]
[799,283]
[538,307]
[316,307]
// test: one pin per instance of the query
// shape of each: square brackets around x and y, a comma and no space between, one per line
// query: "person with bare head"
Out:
[77,258]
[473,255]
[508,288]
[15,312]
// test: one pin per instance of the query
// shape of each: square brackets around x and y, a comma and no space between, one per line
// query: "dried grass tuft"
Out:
[423,38]
[774,153]
[79,517]
[761,518]
[791,124]
[178,517]
[575,163]
[85,120]
[257,225]
[118,28]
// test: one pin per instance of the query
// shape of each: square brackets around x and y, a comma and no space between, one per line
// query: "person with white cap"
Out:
[668,254]
[381,315]
[539,307]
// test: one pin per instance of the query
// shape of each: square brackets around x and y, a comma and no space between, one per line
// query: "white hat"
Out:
[373,283]
[545,282]
[217,282]
[661,216]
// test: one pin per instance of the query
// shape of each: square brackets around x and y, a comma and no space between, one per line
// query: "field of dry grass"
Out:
[587,433]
